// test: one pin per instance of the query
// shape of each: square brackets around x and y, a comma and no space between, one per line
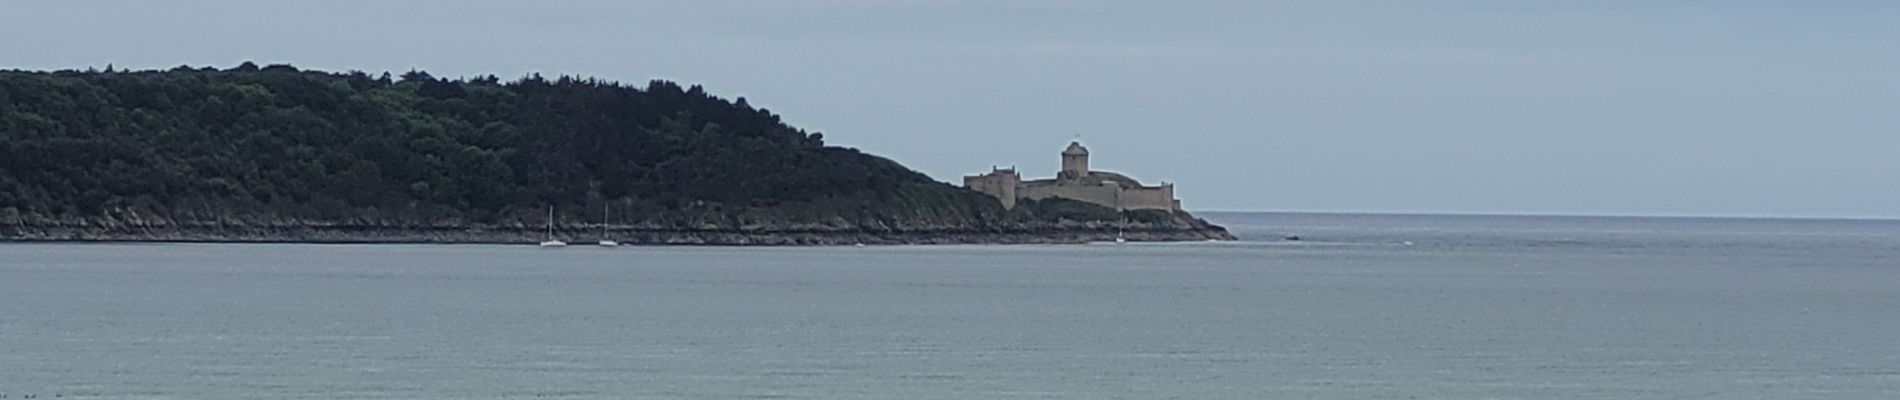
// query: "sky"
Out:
[1702,108]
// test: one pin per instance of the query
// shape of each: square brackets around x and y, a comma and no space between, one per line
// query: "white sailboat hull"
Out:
[550,242]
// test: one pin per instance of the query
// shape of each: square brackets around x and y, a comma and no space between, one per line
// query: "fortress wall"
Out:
[1002,186]
[1143,198]
[1075,182]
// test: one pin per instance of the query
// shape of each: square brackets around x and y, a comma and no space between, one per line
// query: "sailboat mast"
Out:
[550,222]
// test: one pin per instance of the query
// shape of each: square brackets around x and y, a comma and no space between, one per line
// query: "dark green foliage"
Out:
[199,144]
[1057,209]
[1148,216]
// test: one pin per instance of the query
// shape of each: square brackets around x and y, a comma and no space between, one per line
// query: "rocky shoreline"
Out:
[1057,234]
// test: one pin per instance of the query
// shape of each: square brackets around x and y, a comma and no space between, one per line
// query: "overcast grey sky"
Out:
[1765,108]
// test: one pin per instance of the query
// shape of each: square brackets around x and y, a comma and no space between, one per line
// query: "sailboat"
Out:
[1121,217]
[1118,230]
[605,213]
[551,242]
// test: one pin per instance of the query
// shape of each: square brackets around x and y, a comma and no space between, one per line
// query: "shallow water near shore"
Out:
[1364,306]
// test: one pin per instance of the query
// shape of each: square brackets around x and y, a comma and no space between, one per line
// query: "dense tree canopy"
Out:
[194,144]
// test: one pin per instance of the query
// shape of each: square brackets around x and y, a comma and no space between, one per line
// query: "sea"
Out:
[1360,307]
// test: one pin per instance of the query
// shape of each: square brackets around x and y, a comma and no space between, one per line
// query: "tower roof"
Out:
[1075,149]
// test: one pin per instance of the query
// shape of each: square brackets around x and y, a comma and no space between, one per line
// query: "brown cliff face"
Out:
[680,232]
[977,221]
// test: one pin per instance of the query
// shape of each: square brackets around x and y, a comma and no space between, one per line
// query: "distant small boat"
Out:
[1292,238]
[1118,229]
[605,217]
[550,242]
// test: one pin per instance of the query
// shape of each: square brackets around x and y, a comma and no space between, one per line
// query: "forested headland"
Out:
[277,153]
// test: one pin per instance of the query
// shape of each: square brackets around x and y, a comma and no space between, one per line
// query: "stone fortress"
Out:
[1076,182]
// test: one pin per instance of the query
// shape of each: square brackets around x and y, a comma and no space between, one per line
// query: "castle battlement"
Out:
[1075,181]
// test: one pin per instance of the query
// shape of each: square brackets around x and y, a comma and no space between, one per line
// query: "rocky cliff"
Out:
[1183,228]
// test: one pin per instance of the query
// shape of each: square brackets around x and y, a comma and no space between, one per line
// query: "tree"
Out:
[281,142]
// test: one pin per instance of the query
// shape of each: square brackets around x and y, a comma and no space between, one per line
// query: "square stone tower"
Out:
[999,183]
[1075,162]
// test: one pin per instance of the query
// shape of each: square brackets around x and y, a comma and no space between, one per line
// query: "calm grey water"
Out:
[1471,308]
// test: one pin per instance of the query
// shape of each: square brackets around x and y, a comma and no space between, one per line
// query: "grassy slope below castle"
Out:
[278,153]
